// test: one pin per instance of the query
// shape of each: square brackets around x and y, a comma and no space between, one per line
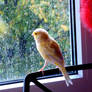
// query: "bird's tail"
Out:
[67,78]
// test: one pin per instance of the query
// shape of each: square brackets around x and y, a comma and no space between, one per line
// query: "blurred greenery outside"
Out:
[18,53]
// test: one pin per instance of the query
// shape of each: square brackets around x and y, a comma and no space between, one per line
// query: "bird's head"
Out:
[40,34]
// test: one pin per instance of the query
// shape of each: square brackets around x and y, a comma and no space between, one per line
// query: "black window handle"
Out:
[33,76]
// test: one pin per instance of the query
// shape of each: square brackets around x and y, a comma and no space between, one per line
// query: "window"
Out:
[18,19]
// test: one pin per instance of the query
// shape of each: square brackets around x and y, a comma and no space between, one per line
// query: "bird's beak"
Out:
[32,34]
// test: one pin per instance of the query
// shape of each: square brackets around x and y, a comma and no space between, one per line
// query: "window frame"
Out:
[75,26]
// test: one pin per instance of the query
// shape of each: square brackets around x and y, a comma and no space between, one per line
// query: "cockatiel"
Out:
[50,51]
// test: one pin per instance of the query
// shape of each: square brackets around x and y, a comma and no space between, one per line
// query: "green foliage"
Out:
[18,53]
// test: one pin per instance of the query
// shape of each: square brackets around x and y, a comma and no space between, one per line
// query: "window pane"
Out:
[18,19]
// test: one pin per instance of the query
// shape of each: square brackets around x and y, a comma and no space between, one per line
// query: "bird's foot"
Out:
[41,70]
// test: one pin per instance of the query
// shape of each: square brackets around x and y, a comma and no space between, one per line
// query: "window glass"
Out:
[18,19]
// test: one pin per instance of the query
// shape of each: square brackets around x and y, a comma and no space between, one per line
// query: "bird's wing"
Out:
[53,50]
[56,48]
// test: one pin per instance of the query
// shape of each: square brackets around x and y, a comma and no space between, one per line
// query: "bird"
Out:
[50,52]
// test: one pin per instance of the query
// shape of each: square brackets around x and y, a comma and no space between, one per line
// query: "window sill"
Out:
[49,80]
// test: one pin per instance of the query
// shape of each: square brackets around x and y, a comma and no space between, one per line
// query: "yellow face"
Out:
[40,34]
[35,35]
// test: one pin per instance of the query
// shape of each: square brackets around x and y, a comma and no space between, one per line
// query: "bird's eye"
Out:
[35,33]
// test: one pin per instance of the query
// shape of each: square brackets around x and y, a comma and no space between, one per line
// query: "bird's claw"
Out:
[41,70]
